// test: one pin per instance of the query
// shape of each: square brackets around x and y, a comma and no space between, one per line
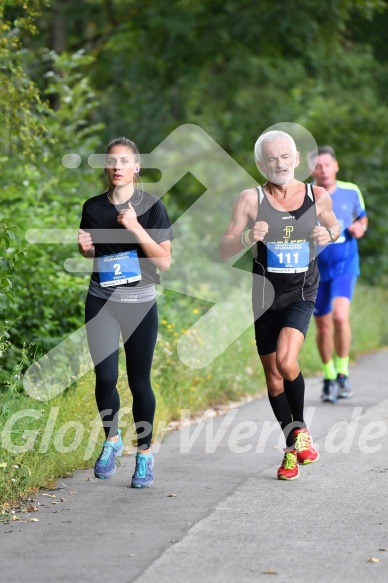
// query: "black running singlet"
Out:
[286,258]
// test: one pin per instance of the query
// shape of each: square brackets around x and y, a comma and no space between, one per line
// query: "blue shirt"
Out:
[342,256]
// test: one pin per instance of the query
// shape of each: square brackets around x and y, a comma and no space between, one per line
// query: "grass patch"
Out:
[369,328]
[45,441]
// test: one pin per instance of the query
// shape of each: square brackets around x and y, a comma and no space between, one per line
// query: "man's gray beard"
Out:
[281,181]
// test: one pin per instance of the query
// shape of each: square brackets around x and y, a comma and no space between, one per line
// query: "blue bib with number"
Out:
[119,268]
[288,257]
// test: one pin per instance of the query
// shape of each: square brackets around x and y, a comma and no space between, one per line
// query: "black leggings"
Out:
[138,324]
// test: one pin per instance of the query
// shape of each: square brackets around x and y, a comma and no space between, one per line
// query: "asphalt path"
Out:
[217,513]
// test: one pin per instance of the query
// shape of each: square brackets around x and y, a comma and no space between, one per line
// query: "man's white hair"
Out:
[271,137]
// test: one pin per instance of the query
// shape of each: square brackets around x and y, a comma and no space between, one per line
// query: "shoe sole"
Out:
[288,479]
[105,477]
[306,462]
[329,400]
[138,486]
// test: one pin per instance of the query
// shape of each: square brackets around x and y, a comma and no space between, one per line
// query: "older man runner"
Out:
[282,219]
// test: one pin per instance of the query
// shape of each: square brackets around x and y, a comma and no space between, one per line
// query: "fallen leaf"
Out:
[32,509]
[49,495]
[171,495]
[88,479]
[72,492]
[373,560]
[34,520]
[269,572]
[63,500]
[383,549]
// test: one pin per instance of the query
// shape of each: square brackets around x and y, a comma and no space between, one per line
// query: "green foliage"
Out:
[21,109]
[71,122]
[13,379]
[44,194]
[9,259]
[369,329]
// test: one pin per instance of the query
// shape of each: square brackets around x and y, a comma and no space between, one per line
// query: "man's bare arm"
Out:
[327,219]
[231,241]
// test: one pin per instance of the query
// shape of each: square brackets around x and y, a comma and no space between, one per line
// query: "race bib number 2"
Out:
[119,268]
[288,257]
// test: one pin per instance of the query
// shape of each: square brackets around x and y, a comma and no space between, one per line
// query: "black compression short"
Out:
[268,326]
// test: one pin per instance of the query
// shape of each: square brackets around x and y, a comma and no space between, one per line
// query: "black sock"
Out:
[282,412]
[294,391]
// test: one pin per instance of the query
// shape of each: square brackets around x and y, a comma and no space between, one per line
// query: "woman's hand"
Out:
[85,243]
[128,218]
[158,253]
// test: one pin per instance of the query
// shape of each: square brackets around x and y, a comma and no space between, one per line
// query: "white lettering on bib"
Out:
[119,268]
[288,257]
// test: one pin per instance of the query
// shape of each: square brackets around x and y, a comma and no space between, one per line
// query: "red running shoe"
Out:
[289,469]
[306,452]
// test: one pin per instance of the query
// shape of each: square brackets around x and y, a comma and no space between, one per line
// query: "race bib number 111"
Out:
[288,257]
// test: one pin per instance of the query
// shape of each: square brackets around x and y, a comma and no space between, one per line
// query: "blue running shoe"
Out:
[143,476]
[105,466]
[329,391]
[344,390]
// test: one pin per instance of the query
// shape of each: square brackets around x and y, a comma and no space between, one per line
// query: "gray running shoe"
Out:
[143,476]
[105,466]
[344,390]
[329,391]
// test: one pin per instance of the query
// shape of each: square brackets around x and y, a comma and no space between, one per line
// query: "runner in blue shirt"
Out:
[339,267]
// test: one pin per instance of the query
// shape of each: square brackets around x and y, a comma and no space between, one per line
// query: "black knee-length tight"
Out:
[138,325]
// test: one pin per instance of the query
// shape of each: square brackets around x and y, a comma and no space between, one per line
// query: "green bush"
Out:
[46,302]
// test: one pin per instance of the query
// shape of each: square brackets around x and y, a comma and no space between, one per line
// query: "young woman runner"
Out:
[127,233]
